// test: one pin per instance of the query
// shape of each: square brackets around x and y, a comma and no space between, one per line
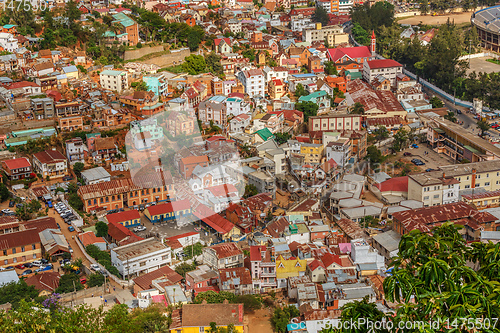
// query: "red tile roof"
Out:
[89,237]
[22,84]
[144,281]
[195,159]
[315,264]
[17,163]
[49,156]
[235,276]
[212,219]
[224,190]
[123,216]
[169,207]
[383,63]
[226,250]
[352,52]
[41,223]
[19,238]
[121,234]
[44,281]
[255,252]
[397,184]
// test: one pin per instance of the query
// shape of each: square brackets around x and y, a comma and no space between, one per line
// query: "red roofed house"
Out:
[203,277]
[224,255]
[45,282]
[218,226]
[89,238]
[316,271]
[120,235]
[277,89]
[20,247]
[387,68]
[50,163]
[396,187]
[262,268]
[129,218]
[236,280]
[241,216]
[168,212]
[145,282]
[187,164]
[223,45]
[17,168]
[358,54]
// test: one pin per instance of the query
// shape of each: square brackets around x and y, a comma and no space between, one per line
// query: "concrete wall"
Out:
[134,54]
[170,59]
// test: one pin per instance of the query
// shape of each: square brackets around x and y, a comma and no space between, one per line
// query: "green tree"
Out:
[358,108]
[78,168]
[381,133]
[101,229]
[4,192]
[450,116]
[15,292]
[75,201]
[194,64]
[358,311]
[250,191]
[321,16]
[142,86]
[213,63]
[95,279]
[309,109]
[282,138]
[330,68]
[436,102]
[373,155]
[483,126]
[281,317]
[400,140]
[69,282]
[184,267]
[300,90]
[360,34]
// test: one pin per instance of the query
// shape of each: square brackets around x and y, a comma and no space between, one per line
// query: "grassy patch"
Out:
[173,69]
[495,61]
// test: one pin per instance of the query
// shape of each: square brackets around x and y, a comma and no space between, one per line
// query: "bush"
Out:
[139,45]
[250,302]
[95,279]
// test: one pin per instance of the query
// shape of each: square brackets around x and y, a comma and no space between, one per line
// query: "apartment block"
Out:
[387,68]
[333,34]
[75,150]
[114,80]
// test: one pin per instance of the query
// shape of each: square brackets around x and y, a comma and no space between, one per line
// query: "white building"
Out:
[95,176]
[234,25]
[239,123]
[75,149]
[333,34]
[345,6]
[253,81]
[236,106]
[8,42]
[114,80]
[388,68]
[299,24]
[363,253]
[280,73]
[50,163]
[139,257]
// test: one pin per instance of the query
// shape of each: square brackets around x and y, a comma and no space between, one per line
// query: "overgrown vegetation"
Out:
[102,257]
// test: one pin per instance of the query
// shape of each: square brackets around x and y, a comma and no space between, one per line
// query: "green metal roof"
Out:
[113,73]
[313,96]
[439,130]
[265,133]
[473,150]
[124,19]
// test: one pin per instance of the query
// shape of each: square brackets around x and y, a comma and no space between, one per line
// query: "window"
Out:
[14,260]
[142,263]
[478,176]
[22,249]
[202,329]
[4,252]
[487,184]
[14,251]
[477,185]
[33,247]
[5,262]
[426,197]
[436,196]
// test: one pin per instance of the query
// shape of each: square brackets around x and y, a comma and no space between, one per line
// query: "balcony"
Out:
[268,275]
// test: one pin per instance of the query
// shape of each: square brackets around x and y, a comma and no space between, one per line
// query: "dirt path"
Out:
[438,19]
[259,321]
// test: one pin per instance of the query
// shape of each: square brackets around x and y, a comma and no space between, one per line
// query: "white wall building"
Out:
[8,42]
[139,257]
[253,81]
[236,106]
[388,68]
[114,80]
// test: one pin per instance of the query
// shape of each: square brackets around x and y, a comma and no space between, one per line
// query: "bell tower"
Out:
[373,47]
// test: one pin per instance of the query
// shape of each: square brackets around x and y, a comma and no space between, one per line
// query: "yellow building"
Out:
[312,153]
[196,318]
[286,268]
[277,89]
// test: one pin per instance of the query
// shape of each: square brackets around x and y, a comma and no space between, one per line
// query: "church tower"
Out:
[373,47]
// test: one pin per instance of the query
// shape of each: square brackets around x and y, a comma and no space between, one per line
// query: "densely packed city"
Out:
[249,166]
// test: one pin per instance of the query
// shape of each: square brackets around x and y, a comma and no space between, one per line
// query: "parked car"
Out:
[6,211]
[21,266]
[83,280]
[28,265]
[139,228]
[406,154]
[12,204]
[49,203]
[71,229]
[459,112]
[37,263]
[429,170]
[414,145]
[95,267]
[26,272]
[416,161]
[67,178]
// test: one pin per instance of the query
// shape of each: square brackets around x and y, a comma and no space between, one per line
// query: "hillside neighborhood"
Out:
[250,166]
